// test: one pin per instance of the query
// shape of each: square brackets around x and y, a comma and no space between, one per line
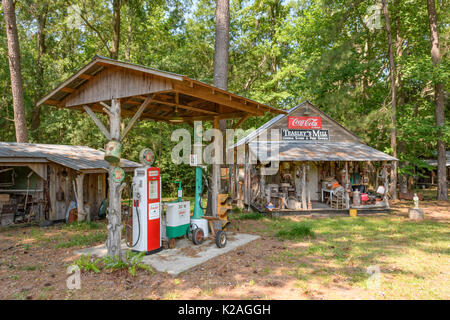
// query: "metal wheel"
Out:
[221,239]
[198,236]
[172,243]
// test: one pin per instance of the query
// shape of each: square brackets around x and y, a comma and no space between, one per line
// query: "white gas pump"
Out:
[147,210]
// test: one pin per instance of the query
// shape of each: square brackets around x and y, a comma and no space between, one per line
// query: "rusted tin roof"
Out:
[316,151]
[79,158]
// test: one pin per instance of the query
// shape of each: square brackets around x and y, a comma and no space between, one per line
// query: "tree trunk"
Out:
[117,5]
[41,17]
[15,71]
[439,100]
[221,47]
[392,76]
[113,243]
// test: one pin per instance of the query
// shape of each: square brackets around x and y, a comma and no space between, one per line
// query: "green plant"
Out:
[132,261]
[87,263]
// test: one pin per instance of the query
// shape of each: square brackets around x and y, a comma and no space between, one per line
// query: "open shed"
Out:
[125,90]
[38,181]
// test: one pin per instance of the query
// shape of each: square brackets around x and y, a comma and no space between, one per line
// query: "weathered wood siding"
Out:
[94,191]
[117,83]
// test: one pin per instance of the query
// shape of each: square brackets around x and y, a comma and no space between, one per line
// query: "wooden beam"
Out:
[136,116]
[85,76]
[205,93]
[97,121]
[53,102]
[185,107]
[67,89]
[241,121]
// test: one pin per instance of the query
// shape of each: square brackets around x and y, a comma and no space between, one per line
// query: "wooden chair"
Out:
[338,201]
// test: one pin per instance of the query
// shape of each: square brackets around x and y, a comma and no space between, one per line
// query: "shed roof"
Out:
[433,162]
[316,151]
[103,79]
[80,158]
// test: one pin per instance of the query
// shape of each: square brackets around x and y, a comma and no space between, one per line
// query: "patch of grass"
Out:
[83,226]
[249,216]
[295,231]
[82,240]
[29,268]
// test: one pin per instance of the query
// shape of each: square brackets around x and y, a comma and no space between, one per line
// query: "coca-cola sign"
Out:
[305,123]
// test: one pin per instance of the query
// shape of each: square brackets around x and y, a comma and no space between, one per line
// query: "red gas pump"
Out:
[147,210]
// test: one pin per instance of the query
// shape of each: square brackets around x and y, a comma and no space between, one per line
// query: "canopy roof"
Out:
[171,94]
[79,158]
[315,151]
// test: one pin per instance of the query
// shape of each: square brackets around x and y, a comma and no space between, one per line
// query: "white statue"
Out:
[416,201]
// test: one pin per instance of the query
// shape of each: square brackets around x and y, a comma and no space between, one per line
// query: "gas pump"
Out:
[147,210]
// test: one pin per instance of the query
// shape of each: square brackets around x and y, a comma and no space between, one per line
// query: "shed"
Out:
[306,161]
[37,181]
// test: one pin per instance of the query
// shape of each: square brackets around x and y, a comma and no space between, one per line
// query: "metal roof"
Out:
[316,151]
[433,162]
[75,157]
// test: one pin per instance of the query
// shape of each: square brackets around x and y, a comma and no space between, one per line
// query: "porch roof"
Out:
[316,151]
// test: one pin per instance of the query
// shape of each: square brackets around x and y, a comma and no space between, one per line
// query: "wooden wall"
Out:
[94,190]
[117,83]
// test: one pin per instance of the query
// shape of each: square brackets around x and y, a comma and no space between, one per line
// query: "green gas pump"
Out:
[198,211]
[180,190]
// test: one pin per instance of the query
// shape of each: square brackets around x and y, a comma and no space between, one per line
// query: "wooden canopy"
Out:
[157,95]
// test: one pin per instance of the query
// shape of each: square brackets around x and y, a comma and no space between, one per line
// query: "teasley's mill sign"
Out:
[305,128]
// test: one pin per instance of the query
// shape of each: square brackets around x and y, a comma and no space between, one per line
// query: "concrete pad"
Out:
[185,255]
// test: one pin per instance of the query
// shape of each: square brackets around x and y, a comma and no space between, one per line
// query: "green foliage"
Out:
[87,263]
[281,53]
[132,261]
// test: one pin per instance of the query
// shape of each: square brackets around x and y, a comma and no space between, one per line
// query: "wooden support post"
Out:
[215,178]
[347,185]
[80,197]
[304,204]
[113,244]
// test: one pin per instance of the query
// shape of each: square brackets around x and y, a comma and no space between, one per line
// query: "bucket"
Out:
[113,149]
[353,212]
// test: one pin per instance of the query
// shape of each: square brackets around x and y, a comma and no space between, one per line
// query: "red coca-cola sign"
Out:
[305,123]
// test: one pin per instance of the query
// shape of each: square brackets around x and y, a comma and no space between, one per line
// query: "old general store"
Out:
[304,161]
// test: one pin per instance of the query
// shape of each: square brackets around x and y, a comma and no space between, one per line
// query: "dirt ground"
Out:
[34,262]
